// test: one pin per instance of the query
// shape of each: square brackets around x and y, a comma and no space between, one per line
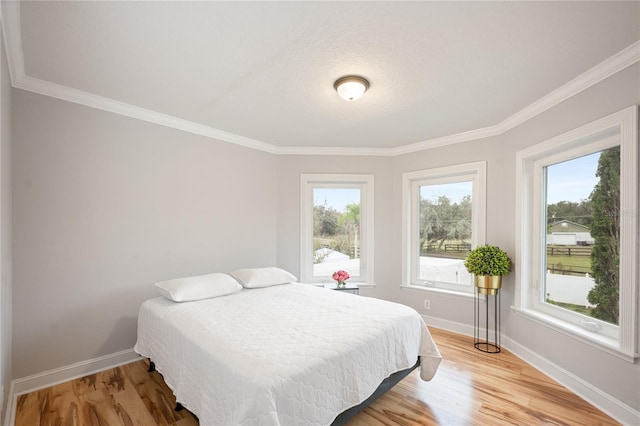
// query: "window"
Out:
[577,228]
[336,227]
[444,218]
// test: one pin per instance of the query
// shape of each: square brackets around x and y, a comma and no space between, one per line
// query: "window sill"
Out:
[365,285]
[445,292]
[595,340]
[359,284]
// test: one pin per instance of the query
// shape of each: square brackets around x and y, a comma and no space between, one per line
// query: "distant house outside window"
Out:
[580,271]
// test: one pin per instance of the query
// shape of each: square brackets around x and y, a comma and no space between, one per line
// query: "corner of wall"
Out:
[5,230]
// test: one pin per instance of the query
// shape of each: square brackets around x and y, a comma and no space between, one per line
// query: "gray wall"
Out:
[5,227]
[104,206]
[608,373]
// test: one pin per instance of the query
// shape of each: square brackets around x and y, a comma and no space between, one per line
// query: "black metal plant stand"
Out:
[491,343]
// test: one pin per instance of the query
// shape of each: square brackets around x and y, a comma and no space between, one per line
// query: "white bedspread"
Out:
[292,354]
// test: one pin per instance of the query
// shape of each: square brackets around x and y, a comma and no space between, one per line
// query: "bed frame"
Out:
[386,384]
[347,415]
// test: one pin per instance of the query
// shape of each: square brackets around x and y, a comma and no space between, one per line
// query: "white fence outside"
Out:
[569,289]
[560,288]
[444,270]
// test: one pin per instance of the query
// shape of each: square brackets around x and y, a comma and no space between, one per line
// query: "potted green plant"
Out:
[488,264]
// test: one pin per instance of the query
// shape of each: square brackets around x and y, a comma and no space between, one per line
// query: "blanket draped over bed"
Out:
[283,355]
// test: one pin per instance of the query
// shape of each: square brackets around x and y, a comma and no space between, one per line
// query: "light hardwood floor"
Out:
[470,388]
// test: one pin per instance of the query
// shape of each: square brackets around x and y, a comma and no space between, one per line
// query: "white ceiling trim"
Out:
[605,69]
[471,135]
[10,21]
[323,150]
[13,43]
[94,101]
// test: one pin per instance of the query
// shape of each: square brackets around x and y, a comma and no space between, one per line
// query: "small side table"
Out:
[348,288]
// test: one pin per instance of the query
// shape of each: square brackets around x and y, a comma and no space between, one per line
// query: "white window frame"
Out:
[617,129]
[308,182]
[411,181]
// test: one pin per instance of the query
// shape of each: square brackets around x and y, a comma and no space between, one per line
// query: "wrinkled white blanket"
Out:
[284,355]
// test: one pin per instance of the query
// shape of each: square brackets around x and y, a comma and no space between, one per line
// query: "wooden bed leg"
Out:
[179,407]
[152,367]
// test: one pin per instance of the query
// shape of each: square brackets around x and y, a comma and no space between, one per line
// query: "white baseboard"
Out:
[456,327]
[63,374]
[605,402]
[598,398]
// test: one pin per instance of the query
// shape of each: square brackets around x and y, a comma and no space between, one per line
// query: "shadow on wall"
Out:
[125,326]
[75,344]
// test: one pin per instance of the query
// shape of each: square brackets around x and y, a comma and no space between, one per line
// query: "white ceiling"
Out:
[263,72]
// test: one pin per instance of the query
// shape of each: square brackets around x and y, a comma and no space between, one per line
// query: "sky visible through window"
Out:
[573,180]
[453,191]
[338,198]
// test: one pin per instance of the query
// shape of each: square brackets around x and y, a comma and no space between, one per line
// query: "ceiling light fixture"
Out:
[351,87]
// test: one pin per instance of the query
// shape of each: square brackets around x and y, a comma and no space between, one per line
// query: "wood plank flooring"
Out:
[470,388]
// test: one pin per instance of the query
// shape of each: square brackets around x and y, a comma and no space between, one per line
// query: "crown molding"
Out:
[363,152]
[603,70]
[106,104]
[456,138]
[621,60]
[10,20]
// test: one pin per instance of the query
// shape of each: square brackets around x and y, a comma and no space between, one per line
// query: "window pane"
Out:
[445,214]
[336,231]
[583,235]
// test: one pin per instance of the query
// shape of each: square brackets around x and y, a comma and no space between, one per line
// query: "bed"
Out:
[286,354]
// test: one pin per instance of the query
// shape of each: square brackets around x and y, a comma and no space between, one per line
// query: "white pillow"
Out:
[263,277]
[199,287]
